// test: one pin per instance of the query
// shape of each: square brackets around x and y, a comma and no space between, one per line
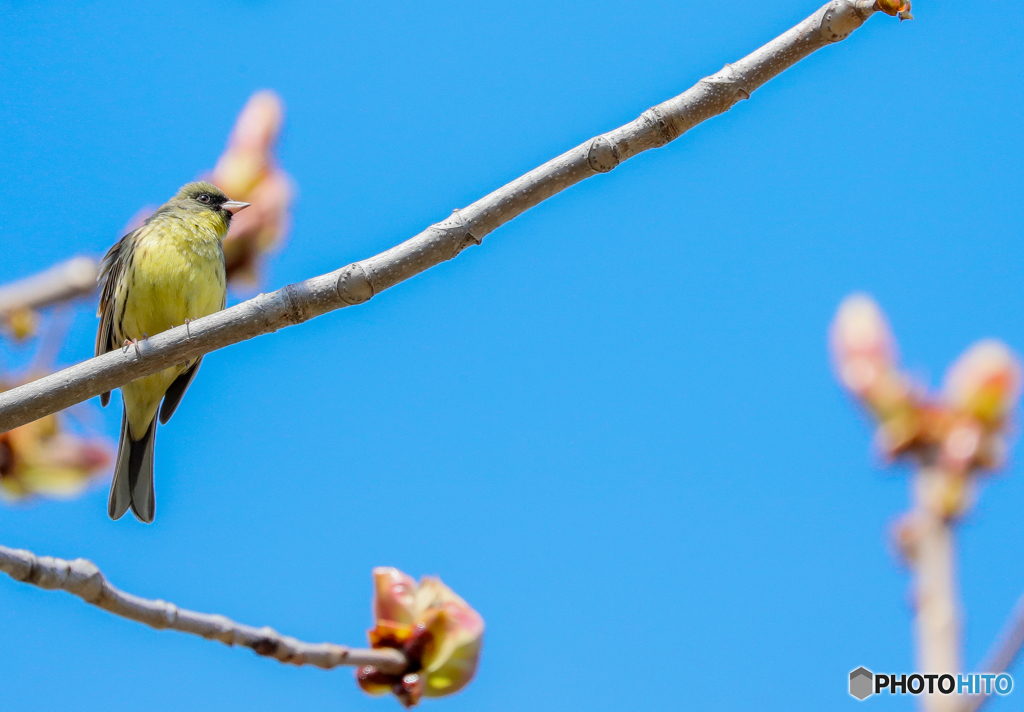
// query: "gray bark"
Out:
[85,580]
[360,281]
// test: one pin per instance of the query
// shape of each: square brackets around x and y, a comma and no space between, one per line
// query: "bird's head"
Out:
[202,197]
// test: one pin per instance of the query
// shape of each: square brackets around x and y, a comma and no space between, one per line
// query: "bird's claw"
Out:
[128,343]
[188,333]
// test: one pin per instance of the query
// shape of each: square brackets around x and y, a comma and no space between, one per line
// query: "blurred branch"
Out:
[83,579]
[60,283]
[359,281]
[1004,652]
[953,437]
[937,618]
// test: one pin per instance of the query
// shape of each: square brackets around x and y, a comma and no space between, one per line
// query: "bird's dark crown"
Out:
[205,194]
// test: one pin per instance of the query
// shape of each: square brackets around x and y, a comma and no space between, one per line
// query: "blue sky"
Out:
[612,428]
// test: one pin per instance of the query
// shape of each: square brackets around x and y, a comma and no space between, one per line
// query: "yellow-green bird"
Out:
[165,274]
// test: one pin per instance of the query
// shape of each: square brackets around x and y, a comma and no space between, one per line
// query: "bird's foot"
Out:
[128,343]
[188,334]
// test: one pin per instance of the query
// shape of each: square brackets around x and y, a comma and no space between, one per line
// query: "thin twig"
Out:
[1003,653]
[360,281]
[51,339]
[84,579]
[63,282]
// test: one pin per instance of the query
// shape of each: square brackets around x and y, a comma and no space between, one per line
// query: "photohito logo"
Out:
[864,683]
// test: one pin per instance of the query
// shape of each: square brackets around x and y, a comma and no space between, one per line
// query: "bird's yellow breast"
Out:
[175,272]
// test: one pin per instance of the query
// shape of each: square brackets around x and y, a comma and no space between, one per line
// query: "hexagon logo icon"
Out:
[861,685]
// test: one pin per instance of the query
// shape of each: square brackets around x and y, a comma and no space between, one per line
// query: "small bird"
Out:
[167,273]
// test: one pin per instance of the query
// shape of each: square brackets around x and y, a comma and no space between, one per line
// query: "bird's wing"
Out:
[176,390]
[112,269]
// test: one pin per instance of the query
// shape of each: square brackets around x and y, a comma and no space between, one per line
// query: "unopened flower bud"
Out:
[985,383]
[394,595]
[862,344]
[20,323]
[451,657]
[896,8]
[248,170]
[39,458]
[249,153]
[439,633]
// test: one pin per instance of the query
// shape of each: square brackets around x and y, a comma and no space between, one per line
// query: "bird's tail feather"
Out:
[133,475]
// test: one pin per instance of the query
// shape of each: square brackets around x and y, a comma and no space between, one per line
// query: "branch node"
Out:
[603,155]
[223,630]
[456,229]
[170,612]
[48,573]
[839,19]
[735,80]
[19,565]
[268,644]
[85,580]
[665,130]
[354,285]
[295,303]
[338,655]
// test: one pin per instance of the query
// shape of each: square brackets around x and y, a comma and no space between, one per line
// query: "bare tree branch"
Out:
[935,590]
[63,282]
[84,579]
[359,281]
[1003,653]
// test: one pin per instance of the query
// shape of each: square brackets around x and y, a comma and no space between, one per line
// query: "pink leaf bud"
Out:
[439,633]
[457,631]
[39,458]
[248,170]
[394,596]
[985,383]
[862,345]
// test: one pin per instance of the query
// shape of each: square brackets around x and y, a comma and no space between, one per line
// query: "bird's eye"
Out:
[204,198]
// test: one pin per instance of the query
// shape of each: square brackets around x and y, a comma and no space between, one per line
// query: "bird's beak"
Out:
[233,206]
